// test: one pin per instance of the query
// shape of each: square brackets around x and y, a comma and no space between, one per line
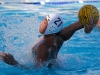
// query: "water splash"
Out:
[18,34]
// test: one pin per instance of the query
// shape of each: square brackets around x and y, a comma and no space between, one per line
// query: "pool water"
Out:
[19,24]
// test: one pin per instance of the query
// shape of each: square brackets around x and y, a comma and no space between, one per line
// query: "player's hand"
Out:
[89,27]
[88,16]
[8,58]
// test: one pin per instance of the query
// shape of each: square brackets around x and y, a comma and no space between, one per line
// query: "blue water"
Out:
[19,24]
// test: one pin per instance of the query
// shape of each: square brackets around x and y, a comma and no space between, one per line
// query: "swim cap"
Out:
[55,24]
[88,14]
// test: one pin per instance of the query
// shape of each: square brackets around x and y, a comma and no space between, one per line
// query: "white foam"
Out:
[20,34]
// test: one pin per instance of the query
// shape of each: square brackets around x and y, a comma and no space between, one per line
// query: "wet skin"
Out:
[98,23]
[48,46]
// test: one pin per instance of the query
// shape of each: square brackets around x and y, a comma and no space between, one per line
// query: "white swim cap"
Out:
[55,24]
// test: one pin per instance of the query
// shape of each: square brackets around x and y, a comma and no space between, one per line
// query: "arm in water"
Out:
[9,59]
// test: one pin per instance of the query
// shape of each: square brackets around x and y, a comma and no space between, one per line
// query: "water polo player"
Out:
[54,35]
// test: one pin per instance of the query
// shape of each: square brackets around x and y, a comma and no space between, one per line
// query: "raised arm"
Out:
[67,32]
[88,18]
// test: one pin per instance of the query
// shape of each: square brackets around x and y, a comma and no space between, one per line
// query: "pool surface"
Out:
[19,24]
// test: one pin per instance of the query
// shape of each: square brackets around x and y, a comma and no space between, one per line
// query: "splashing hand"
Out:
[8,58]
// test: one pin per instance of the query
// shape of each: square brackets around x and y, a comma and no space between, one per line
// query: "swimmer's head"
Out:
[53,23]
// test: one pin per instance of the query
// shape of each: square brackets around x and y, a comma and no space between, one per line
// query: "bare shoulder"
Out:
[38,41]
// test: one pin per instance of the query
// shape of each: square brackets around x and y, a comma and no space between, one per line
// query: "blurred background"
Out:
[42,0]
